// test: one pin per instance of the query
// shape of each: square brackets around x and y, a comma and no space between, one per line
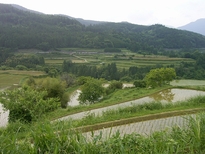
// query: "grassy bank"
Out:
[119,96]
[44,139]
[137,111]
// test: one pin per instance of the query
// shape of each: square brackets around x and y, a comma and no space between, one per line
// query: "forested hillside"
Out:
[23,29]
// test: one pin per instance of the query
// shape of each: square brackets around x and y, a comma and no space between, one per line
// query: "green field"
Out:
[188,83]
[97,58]
[9,78]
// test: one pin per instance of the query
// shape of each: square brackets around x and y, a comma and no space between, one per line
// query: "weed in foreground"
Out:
[57,138]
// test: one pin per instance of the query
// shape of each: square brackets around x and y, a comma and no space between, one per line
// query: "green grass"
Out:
[188,83]
[43,138]
[137,59]
[140,110]
[8,80]
[54,61]
[10,77]
[22,72]
[117,97]
[81,50]
[122,60]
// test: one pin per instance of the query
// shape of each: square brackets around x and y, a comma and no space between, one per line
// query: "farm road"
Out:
[80,58]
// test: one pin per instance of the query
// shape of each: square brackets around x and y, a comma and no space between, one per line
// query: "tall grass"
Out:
[43,138]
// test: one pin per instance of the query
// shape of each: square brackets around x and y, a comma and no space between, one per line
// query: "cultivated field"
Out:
[143,128]
[9,78]
[96,57]
[188,83]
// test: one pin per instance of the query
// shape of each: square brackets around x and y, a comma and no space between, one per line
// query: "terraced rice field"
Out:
[188,83]
[174,95]
[143,128]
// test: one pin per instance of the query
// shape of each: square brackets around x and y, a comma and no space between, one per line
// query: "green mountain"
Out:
[26,29]
[82,21]
[24,9]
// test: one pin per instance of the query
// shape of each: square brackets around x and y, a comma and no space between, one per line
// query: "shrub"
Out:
[126,79]
[21,67]
[3,67]
[64,100]
[27,104]
[115,85]
[140,83]
[53,86]
[68,78]
[83,79]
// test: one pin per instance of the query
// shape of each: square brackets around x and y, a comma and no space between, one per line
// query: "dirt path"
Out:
[80,58]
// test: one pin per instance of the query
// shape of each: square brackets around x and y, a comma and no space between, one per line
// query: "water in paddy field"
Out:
[175,95]
[74,98]
[169,95]
[3,116]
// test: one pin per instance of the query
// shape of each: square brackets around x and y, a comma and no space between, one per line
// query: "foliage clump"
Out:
[91,91]
[113,86]
[159,76]
[54,87]
[139,83]
[27,104]
[56,138]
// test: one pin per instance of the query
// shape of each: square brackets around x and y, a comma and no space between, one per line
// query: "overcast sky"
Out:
[173,13]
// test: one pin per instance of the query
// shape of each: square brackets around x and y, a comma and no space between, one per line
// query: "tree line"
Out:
[108,72]
[185,70]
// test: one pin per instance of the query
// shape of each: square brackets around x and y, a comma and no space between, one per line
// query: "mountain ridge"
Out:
[25,9]
[81,20]
[196,26]
[20,29]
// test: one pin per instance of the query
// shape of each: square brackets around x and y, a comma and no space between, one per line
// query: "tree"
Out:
[115,85]
[54,87]
[140,83]
[92,90]
[68,78]
[158,77]
[53,73]
[112,71]
[27,104]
